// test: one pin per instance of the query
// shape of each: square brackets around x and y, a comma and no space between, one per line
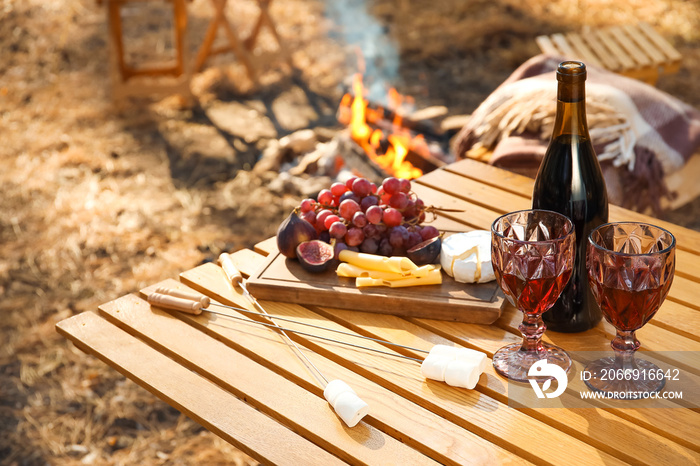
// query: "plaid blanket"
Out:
[643,132]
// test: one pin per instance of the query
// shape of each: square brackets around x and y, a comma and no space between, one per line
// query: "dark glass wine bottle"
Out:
[571,182]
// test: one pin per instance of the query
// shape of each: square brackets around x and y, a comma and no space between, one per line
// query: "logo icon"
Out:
[542,369]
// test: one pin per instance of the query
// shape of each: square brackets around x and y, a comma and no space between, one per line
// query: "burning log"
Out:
[389,139]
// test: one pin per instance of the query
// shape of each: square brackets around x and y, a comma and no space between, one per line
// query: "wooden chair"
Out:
[637,51]
[242,48]
[162,79]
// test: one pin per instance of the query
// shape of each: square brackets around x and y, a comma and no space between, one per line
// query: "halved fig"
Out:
[426,252]
[315,255]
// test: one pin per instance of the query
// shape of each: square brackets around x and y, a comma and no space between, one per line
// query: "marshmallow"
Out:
[350,408]
[443,350]
[462,374]
[434,367]
[470,355]
[345,402]
[458,367]
[335,388]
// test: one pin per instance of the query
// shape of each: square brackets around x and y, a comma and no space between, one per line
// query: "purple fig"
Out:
[292,232]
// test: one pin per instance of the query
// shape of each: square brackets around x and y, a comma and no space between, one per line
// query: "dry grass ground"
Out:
[97,203]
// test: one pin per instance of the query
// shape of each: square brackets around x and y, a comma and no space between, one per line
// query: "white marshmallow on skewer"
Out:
[443,350]
[350,408]
[470,355]
[434,367]
[463,354]
[458,367]
[345,402]
[462,374]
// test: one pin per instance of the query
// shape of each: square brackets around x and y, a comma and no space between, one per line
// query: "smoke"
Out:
[357,28]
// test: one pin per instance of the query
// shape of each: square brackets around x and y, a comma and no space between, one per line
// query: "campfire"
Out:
[388,151]
[377,141]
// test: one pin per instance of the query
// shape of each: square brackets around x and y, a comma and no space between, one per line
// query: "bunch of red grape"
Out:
[361,217]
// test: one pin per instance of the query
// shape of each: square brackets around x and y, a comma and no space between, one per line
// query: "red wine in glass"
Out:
[532,252]
[630,270]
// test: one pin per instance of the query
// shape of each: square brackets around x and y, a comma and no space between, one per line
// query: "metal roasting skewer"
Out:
[286,319]
[235,277]
[190,302]
[285,329]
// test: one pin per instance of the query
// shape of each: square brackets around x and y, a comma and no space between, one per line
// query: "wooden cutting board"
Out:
[282,279]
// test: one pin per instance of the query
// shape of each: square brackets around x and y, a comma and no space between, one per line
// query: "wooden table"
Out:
[245,384]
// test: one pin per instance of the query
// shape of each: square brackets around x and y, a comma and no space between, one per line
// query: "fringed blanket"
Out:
[632,125]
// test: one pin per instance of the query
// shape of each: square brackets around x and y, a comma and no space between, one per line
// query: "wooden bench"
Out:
[637,51]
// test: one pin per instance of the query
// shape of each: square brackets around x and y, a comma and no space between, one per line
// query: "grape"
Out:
[339,246]
[373,188]
[413,238]
[369,245]
[350,181]
[361,187]
[324,236]
[310,217]
[321,219]
[330,220]
[398,200]
[374,214]
[359,219]
[325,196]
[371,231]
[338,189]
[348,195]
[392,217]
[385,248]
[348,208]
[410,211]
[391,185]
[404,185]
[368,201]
[307,205]
[338,230]
[335,201]
[354,236]
[428,232]
[398,237]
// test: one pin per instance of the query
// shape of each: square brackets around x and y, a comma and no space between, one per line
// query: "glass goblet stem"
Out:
[625,344]
[532,328]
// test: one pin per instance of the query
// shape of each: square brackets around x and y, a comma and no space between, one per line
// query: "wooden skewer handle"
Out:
[232,273]
[176,304]
[184,294]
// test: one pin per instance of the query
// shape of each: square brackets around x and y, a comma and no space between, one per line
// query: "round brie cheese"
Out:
[467,257]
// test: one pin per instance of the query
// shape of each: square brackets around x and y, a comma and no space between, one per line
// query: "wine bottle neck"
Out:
[571,110]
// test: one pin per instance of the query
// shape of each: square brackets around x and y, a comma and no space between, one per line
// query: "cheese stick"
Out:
[434,277]
[394,264]
[349,270]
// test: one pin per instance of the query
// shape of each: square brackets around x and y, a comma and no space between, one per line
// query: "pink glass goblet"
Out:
[630,269]
[532,253]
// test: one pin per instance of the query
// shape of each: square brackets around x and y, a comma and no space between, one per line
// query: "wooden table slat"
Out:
[388,371]
[472,410]
[405,331]
[198,398]
[302,411]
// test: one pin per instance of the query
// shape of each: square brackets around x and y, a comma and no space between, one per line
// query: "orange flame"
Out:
[393,161]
